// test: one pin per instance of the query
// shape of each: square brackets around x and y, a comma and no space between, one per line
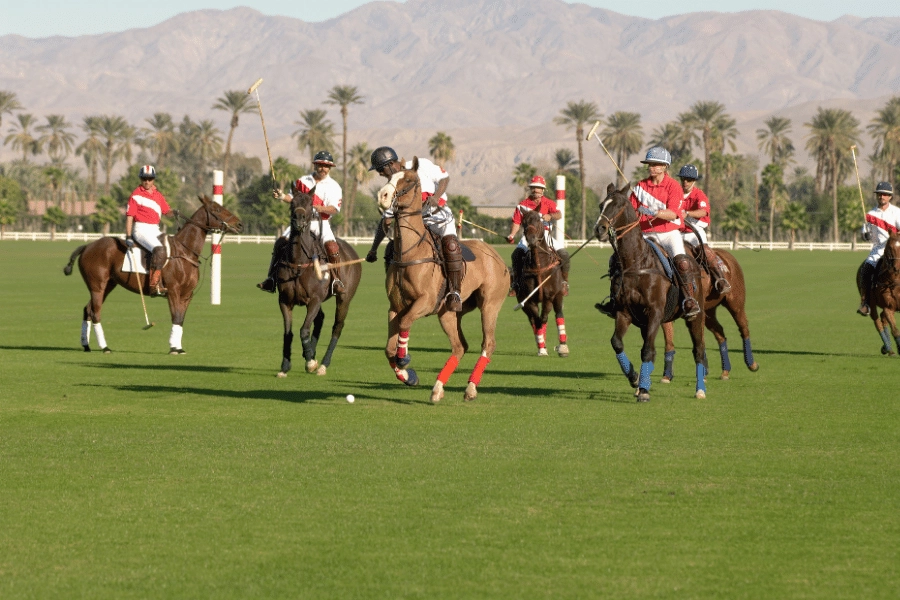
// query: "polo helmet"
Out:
[538,182]
[884,187]
[382,156]
[689,172]
[657,155]
[324,158]
[147,172]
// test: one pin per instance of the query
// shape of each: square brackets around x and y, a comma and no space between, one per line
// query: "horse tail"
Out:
[67,270]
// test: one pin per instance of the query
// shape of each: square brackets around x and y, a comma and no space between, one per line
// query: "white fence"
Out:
[359,241]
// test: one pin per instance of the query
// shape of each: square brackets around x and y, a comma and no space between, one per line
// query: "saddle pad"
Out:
[666,264]
[133,262]
[467,254]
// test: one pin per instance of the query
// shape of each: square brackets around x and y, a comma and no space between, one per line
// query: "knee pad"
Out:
[682,263]
[451,244]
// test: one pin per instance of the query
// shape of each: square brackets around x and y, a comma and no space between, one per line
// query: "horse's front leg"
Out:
[888,314]
[881,328]
[538,326]
[451,326]
[696,327]
[287,315]
[392,350]
[669,366]
[313,316]
[618,345]
[648,356]
[177,308]
[563,348]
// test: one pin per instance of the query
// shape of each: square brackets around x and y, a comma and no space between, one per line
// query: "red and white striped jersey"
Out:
[147,206]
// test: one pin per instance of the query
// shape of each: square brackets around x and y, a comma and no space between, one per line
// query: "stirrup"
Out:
[268,285]
[724,288]
[454,302]
[159,292]
[335,284]
[607,307]
[689,315]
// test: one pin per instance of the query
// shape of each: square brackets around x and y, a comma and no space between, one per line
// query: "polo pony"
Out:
[101,263]
[416,286]
[885,294]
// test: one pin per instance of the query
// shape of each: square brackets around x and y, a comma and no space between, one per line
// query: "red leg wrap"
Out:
[561,326]
[478,371]
[447,371]
[402,344]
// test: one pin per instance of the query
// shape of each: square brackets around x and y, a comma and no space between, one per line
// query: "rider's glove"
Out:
[129,242]
[372,256]
[867,236]
[646,210]
[510,239]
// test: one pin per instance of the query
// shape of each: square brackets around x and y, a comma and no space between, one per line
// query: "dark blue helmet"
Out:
[884,187]
[324,157]
[689,172]
[383,156]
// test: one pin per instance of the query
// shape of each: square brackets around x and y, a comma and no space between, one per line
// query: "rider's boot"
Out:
[687,282]
[334,256]
[609,307]
[518,263]
[564,269]
[716,270]
[454,264]
[372,255]
[157,262]
[269,284]
[863,284]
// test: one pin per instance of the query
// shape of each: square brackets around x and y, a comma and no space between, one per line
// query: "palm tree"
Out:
[91,149]
[773,180]
[565,161]
[54,217]
[675,137]
[359,173]
[160,137]
[832,132]
[737,220]
[774,141]
[8,103]
[623,135]
[574,116]
[885,129]
[794,219]
[522,174]
[57,138]
[235,102]
[715,127]
[344,96]
[207,143]
[22,138]
[111,129]
[441,148]
[315,132]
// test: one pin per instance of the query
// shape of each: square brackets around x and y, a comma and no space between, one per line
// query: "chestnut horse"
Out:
[542,268]
[299,285]
[646,300]
[734,302]
[101,268]
[885,294]
[415,284]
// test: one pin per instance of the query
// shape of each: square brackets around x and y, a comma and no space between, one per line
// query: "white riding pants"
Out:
[670,241]
[146,235]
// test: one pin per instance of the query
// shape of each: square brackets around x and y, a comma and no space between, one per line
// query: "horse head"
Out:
[616,212]
[892,252]
[302,211]
[403,192]
[215,217]
[533,228]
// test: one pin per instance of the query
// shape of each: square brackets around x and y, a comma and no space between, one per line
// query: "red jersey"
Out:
[544,206]
[696,200]
[666,195]
[147,206]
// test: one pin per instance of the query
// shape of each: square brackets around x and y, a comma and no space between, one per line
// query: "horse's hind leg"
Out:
[309,334]
[696,328]
[563,348]
[712,323]
[92,317]
[287,313]
[889,315]
[881,325]
[342,307]
[735,305]
[669,365]
[490,309]
[450,323]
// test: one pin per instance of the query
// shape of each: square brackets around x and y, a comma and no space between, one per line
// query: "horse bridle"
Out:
[398,213]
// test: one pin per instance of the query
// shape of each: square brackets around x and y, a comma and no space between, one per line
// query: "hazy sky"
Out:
[80,17]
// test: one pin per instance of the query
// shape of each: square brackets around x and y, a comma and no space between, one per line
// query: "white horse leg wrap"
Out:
[175,337]
[101,339]
[86,333]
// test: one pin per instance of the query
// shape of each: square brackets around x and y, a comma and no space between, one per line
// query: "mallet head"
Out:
[255,85]
[318,267]
[593,130]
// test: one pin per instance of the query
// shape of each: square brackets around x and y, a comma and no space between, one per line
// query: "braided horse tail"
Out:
[67,270]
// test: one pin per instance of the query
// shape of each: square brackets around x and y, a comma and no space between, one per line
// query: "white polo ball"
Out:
[351,398]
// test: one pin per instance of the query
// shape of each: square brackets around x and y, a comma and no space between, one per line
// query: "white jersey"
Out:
[328,193]
[880,224]
[429,176]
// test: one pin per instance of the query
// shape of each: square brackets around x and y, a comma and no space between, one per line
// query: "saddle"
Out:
[141,261]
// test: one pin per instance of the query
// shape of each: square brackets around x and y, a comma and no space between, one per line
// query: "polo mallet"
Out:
[862,202]
[461,220]
[522,303]
[141,292]
[320,268]
[593,133]
[255,88]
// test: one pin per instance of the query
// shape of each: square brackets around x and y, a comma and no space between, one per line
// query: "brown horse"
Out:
[300,285]
[885,294]
[542,272]
[101,265]
[649,296]
[415,286]
[734,302]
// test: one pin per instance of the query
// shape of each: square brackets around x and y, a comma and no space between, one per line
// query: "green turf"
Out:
[138,474]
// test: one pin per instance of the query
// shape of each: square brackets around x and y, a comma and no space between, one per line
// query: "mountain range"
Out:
[491,73]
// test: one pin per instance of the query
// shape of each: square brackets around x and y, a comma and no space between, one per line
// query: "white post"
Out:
[215,270]
[560,231]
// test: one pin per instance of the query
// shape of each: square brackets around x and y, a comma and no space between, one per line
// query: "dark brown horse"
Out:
[885,294]
[415,287]
[543,272]
[649,297]
[734,302]
[101,265]
[300,285]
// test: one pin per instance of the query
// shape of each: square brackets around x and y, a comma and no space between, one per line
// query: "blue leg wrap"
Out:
[700,384]
[748,353]
[723,351]
[646,371]
[705,364]
[668,368]
[886,338]
[624,363]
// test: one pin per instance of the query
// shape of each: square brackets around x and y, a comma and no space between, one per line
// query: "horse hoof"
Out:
[562,350]
[726,375]
[471,392]
[322,370]
[412,378]
[175,351]
[106,350]
[643,395]
[542,352]
[754,367]
[437,392]
[665,379]
[700,395]
[311,366]
[281,375]
[87,348]
[402,362]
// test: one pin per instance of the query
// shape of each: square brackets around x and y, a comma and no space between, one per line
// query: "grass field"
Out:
[137,474]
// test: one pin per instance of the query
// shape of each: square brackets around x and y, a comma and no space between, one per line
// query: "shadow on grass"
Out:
[44,348]
[191,368]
